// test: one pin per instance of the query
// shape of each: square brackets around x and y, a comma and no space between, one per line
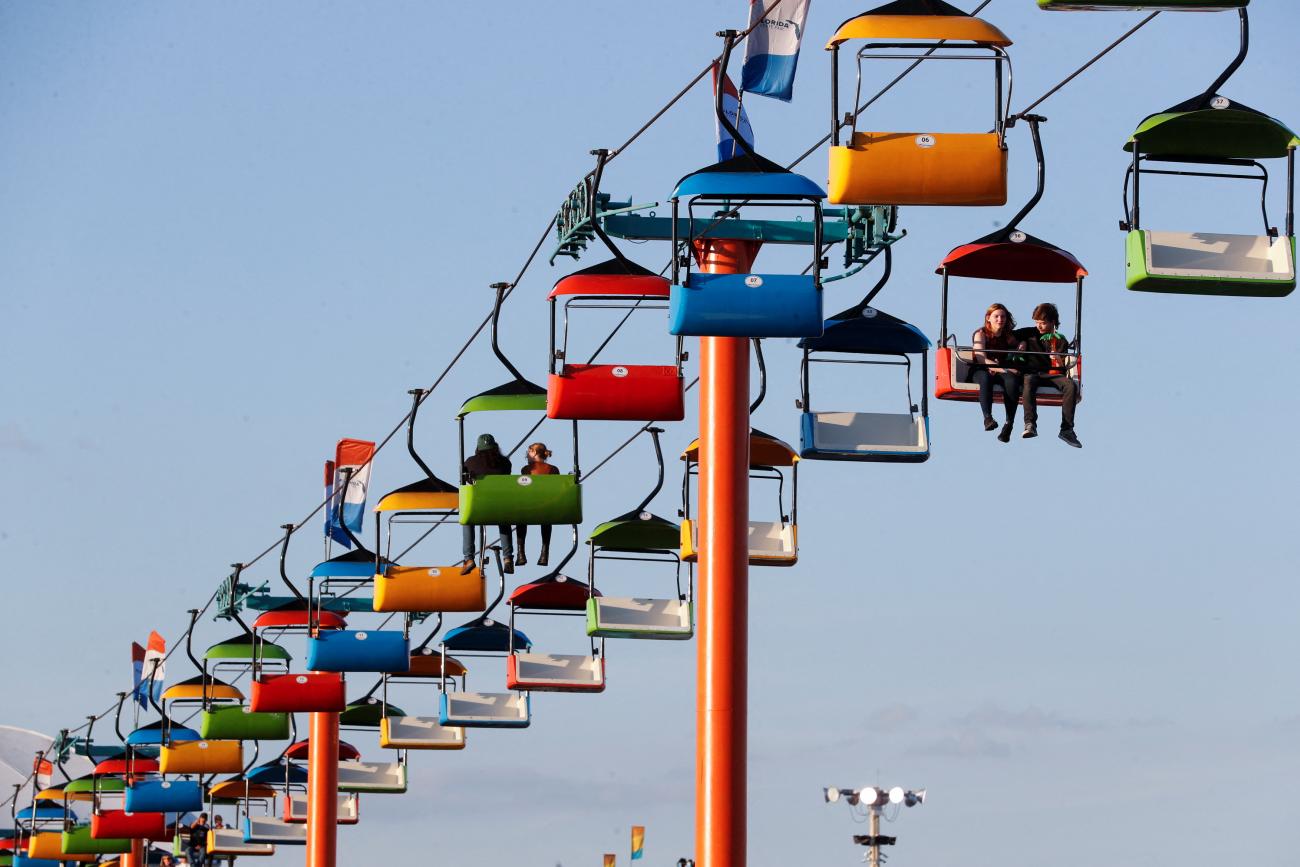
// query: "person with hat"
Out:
[487,460]
[537,466]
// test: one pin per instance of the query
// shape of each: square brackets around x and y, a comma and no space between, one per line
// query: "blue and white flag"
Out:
[772,49]
[354,457]
[735,112]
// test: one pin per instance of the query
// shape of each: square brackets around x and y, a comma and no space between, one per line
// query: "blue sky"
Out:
[234,233]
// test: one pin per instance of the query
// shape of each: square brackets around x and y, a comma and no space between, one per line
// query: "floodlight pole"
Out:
[873,853]
[722,601]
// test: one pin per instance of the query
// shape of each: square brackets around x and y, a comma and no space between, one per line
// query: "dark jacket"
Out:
[1053,342]
[488,463]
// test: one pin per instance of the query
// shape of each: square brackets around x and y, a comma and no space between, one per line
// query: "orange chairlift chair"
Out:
[1015,256]
[429,501]
[919,168]
[402,731]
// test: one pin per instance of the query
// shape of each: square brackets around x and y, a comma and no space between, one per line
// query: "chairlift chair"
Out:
[919,168]
[510,498]
[422,588]
[1009,255]
[1210,136]
[555,594]
[612,392]
[405,732]
[639,536]
[742,303]
[486,638]
[868,336]
[771,543]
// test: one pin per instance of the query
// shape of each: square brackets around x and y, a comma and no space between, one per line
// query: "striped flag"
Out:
[148,663]
[354,455]
[638,842]
[772,49]
[735,112]
[42,772]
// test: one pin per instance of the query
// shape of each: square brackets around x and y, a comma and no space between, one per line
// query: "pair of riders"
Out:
[1023,360]
[487,460]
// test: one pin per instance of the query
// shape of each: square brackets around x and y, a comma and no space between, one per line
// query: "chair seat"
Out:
[164,796]
[230,841]
[771,543]
[1204,263]
[239,722]
[202,757]
[430,588]
[419,733]
[484,709]
[864,436]
[378,777]
[908,168]
[555,672]
[342,650]
[746,305]
[616,392]
[630,617]
[295,809]
[305,692]
[269,829]
[952,372]
[522,500]
[131,826]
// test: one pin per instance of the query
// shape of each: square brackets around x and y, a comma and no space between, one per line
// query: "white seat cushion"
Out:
[1204,254]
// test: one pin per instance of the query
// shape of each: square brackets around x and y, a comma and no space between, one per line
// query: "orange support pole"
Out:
[134,858]
[722,600]
[322,790]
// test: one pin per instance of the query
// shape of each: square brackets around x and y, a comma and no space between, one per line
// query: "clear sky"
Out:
[232,233]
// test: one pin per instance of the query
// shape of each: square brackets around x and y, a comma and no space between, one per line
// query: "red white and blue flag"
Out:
[735,113]
[772,49]
[354,456]
[148,666]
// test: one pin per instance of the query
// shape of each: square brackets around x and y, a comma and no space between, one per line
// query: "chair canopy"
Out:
[765,450]
[637,531]
[484,635]
[1011,254]
[553,593]
[426,495]
[870,332]
[750,176]
[612,278]
[1198,129]
[926,20]
[516,395]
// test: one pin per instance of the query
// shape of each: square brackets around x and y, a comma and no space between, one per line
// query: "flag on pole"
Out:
[638,842]
[354,456]
[148,663]
[609,859]
[735,112]
[42,772]
[772,49]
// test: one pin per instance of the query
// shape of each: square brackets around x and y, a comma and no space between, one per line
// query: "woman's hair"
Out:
[540,450]
[1047,310]
[1011,321]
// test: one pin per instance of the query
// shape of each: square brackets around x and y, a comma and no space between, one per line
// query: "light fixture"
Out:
[896,795]
[870,796]
[831,795]
[914,798]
